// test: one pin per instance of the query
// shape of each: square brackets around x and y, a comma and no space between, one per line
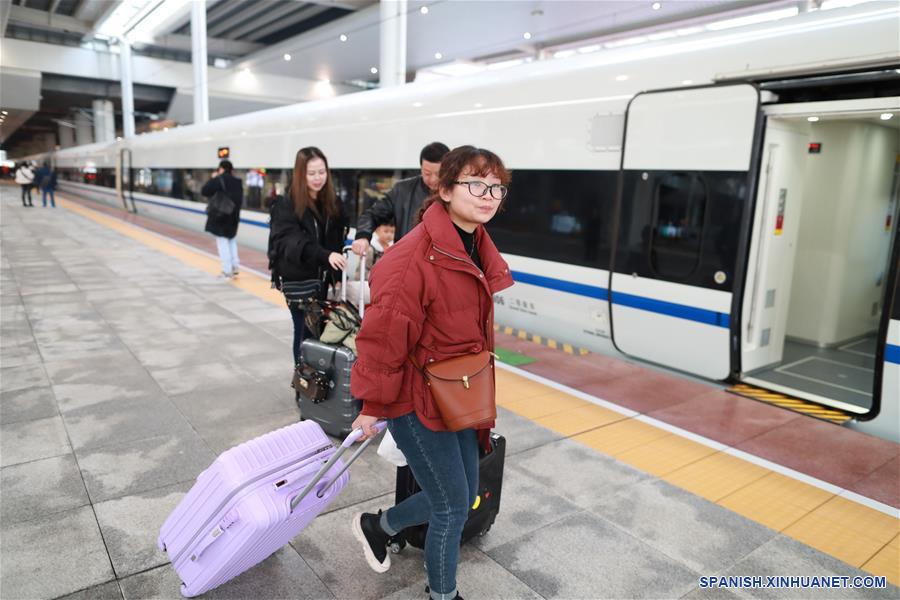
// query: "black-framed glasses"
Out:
[480,188]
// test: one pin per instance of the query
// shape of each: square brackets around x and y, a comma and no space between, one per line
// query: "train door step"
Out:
[812,409]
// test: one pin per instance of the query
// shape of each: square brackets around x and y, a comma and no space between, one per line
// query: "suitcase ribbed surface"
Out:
[241,481]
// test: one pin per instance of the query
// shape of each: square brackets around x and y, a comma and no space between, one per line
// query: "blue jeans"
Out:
[44,193]
[445,464]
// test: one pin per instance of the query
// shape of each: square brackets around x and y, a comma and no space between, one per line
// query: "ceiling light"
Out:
[772,15]
[829,4]
[656,5]
[373,71]
[417,104]
[812,119]
[661,35]
[626,42]
[563,54]
[220,63]
[527,35]
[589,49]
[3,112]
[343,37]
[688,30]
[621,77]
[325,81]
[478,105]
[438,56]
[424,10]
[687,82]
[287,56]
[886,116]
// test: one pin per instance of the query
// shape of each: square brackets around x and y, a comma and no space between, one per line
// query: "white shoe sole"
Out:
[367,550]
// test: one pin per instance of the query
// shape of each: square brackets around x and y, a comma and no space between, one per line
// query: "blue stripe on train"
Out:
[197,211]
[892,354]
[670,309]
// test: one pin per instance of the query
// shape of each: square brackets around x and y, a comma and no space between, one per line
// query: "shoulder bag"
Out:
[463,389]
[220,202]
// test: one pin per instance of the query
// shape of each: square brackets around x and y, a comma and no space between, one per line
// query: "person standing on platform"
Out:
[224,225]
[25,178]
[307,236]
[46,180]
[401,205]
[432,299]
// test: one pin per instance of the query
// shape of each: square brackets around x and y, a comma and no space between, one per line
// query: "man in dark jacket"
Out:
[224,225]
[401,205]
[45,177]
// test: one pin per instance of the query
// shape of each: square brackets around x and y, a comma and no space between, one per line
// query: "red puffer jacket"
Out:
[429,300]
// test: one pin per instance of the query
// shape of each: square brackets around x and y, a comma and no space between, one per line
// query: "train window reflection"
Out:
[679,209]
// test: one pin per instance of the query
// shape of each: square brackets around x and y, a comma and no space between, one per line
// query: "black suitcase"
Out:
[482,513]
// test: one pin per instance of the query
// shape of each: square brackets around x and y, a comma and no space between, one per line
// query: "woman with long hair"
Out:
[307,235]
[432,300]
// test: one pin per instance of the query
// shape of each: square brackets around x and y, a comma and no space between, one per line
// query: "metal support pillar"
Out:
[127,90]
[104,121]
[84,133]
[199,59]
[393,43]
[66,136]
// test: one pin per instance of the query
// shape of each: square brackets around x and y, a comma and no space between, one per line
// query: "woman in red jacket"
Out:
[432,299]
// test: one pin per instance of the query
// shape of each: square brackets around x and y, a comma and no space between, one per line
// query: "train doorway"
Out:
[820,258]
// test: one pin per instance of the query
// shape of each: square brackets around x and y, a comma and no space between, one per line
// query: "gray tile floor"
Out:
[124,372]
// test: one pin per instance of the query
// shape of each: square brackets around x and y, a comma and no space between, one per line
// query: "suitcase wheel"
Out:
[484,531]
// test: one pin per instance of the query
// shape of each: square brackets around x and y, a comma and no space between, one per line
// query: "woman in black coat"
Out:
[225,225]
[307,235]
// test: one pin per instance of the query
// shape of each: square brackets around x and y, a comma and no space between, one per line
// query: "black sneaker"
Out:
[374,540]
[428,593]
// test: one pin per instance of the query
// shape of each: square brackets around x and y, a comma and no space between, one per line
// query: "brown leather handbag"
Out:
[463,389]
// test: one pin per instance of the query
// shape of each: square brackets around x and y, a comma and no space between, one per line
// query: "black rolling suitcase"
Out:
[482,513]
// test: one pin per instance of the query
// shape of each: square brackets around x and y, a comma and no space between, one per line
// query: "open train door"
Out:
[689,164]
[886,392]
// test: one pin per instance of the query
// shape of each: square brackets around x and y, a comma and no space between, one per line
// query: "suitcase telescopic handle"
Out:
[362,281]
[349,441]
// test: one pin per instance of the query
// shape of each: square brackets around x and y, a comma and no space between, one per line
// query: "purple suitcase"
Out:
[253,500]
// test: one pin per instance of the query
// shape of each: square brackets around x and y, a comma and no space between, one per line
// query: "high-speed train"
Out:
[723,204]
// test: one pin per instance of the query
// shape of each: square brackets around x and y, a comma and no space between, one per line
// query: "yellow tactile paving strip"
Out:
[850,531]
[544,341]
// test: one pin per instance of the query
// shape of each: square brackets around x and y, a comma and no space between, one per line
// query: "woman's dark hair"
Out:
[325,200]
[433,152]
[480,163]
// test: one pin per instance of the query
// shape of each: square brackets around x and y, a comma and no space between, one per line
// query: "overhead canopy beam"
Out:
[308,13]
[177,41]
[269,16]
[53,6]
[250,10]
[345,4]
[45,20]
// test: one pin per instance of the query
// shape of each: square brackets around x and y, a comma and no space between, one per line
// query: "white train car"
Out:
[723,204]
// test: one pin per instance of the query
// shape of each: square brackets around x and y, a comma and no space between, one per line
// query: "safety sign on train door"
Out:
[683,219]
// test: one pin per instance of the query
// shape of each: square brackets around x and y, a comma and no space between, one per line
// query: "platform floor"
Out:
[126,366]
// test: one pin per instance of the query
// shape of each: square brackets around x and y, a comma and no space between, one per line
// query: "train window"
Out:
[679,210]
[561,216]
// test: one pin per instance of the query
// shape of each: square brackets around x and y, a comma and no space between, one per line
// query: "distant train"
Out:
[723,204]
